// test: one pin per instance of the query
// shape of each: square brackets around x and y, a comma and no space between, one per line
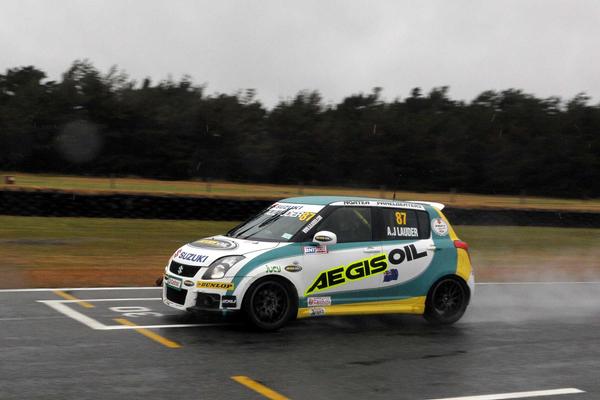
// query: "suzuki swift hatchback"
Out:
[316,256]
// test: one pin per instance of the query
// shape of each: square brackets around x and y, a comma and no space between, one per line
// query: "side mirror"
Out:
[325,238]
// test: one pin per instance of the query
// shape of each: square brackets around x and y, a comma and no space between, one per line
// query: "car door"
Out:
[352,263]
[405,238]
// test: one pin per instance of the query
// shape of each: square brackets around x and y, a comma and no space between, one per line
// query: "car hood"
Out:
[203,252]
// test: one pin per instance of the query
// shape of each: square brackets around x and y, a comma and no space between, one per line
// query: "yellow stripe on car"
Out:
[463,262]
[412,305]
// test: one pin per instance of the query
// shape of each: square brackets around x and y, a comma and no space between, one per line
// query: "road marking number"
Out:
[135,311]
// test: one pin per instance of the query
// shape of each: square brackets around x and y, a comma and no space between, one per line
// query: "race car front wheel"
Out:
[446,301]
[269,304]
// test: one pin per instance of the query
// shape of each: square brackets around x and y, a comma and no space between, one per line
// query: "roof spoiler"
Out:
[439,206]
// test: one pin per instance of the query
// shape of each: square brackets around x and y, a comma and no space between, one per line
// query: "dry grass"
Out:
[264,191]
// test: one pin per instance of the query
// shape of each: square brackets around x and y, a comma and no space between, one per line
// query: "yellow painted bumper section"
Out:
[463,261]
[413,305]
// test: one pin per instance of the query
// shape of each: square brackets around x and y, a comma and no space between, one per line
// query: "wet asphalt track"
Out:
[513,338]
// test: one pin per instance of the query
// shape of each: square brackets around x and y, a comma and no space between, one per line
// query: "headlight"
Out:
[219,267]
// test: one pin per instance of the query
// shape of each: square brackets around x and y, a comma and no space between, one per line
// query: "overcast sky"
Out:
[337,47]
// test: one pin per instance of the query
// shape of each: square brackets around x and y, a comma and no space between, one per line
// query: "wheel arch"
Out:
[289,284]
[455,277]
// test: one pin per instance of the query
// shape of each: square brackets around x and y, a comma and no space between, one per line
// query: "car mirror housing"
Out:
[325,238]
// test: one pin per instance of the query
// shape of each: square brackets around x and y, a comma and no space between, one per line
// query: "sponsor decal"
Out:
[293,268]
[390,275]
[273,269]
[173,282]
[182,255]
[287,236]
[352,272]
[304,212]
[215,285]
[364,268]
[312,224]
[217,244]
[400,231]
[408,253]
[401,204]
[380,203]
[439,226]
[315,249]
[228,301]
[357,203]
[319,301]
[316,311]
[323,238]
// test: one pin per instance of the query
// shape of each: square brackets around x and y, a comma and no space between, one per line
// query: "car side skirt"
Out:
[411,305]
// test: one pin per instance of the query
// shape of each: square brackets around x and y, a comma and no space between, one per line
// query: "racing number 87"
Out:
[306,216]
[400,218]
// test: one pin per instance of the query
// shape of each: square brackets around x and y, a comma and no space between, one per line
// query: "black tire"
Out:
[446,301]
[269,304]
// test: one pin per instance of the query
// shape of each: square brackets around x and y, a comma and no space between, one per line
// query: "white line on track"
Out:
[78,289]
[158,288]
[61,307]
[518,395]
[94,300]
[76,315]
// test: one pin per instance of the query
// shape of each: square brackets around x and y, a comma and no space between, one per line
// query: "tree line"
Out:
[93,123]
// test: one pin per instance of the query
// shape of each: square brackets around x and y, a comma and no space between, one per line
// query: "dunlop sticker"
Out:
[215,285]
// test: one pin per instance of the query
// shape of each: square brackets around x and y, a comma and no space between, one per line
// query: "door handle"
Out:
[371,250]
[433,248]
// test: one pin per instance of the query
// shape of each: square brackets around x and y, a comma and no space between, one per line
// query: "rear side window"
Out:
[402,224]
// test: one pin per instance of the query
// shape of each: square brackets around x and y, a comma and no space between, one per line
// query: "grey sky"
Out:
[337,47]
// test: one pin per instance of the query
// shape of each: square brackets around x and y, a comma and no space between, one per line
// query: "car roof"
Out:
[326,200]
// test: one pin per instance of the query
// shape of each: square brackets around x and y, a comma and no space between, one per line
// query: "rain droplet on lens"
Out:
[79,142]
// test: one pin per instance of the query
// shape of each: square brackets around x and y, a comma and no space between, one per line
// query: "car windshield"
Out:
[278,223]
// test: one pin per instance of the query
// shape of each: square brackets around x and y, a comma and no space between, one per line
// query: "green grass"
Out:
[37,252]
[264,191]
[533,253]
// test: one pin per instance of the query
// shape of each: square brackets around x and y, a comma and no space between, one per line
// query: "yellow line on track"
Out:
[68,296]
[150,335]
[259,388]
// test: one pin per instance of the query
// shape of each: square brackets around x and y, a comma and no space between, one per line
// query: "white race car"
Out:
[315,256]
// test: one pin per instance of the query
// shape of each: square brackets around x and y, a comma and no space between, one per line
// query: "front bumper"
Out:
[193,299]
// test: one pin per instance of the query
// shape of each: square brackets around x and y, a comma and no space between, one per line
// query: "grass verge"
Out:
[63,252]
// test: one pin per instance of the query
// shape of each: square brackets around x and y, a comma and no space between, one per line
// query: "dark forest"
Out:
[93,123]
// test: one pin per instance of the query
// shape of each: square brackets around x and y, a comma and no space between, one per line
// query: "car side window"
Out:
[401,224]
[350,224]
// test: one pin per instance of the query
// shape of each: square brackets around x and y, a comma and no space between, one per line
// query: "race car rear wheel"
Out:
[447,301]
[269,304]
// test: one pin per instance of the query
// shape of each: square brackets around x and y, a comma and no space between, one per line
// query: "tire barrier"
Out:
[47,203]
